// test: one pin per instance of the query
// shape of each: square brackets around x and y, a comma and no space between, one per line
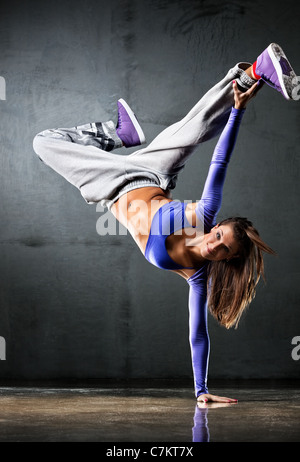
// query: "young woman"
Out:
[221,262]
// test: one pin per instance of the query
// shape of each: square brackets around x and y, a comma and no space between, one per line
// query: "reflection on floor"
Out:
[265,412]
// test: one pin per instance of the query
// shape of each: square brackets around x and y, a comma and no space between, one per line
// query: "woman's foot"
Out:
[274,68]
[128,128]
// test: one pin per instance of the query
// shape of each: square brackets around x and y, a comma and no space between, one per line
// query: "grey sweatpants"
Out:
[82,154]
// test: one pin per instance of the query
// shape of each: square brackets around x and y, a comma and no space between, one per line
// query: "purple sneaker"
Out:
[128,128]
[274,69]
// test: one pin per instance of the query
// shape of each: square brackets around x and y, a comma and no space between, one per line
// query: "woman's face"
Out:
[219,244]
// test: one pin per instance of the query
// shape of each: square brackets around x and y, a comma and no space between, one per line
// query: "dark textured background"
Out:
[74,304]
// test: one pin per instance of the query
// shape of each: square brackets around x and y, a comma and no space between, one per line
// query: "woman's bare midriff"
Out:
[135,210]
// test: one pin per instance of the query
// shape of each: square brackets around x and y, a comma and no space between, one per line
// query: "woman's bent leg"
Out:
[74,153]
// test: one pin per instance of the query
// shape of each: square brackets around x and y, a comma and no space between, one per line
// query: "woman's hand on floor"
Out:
[205,398]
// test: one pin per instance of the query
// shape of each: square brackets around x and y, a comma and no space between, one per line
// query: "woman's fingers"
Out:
[255,88]
[241,98]
[235,87]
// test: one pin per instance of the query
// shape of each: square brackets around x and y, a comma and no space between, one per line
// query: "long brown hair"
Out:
[232,284]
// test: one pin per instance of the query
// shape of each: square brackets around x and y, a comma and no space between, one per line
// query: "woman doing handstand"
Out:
[222,262]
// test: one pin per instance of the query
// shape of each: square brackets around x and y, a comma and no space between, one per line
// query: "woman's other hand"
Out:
[241,99]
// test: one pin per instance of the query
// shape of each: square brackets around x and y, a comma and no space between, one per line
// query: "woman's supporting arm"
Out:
[199,339]
[198,334]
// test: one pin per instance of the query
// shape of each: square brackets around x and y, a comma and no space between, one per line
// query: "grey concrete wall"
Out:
[74,304]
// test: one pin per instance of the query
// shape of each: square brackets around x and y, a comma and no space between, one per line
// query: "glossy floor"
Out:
[148,414]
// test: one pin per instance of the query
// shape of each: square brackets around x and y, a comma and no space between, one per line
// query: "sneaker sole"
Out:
[134,121]
[287,82]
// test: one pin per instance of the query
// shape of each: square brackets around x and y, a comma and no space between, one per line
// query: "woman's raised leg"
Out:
[169,151]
